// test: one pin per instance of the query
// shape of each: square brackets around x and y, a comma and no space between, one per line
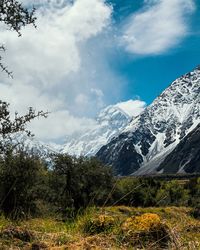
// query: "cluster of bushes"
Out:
[29,187]
[145,192]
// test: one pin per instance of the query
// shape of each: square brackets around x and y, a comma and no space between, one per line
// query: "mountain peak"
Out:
[156,131]
[109,123]
[132,107]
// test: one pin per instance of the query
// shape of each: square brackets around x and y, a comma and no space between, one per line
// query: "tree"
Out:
[20,179]
[79,182]
[18,170]
[14,16]
[8,126]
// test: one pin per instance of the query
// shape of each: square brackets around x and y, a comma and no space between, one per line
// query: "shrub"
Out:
[195,212]
[78,182]
[136,192]
[145,222]
[144,230]
[99,224]
[194,192]
[172,193]
[20,175]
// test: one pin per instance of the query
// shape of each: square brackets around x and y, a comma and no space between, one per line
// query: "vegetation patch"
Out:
[195,212]
[99,224]
[39,246]
[146,229]
[17,233]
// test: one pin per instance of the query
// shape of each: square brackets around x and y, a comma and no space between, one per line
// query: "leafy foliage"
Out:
[135,192]
[20,175]
[172,193]
[76,183]
[146,229]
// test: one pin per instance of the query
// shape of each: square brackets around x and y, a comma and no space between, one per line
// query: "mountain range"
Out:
[109,123]
[164,137]
[159,131]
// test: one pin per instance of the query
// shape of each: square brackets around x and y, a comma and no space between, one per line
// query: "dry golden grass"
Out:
[109,228]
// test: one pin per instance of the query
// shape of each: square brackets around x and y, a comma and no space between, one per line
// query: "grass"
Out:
[116,227]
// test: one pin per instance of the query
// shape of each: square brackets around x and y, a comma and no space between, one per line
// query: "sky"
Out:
[87,54]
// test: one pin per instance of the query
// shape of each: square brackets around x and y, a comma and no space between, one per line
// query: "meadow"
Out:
[117,227]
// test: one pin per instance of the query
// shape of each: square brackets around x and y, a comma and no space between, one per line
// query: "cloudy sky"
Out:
[87,54]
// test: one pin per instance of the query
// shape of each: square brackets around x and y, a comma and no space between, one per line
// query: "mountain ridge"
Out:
[160,127]
[109,122]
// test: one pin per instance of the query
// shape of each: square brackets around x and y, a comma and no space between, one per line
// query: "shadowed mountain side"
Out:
[185,158]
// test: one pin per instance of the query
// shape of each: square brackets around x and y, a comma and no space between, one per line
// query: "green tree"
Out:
[20,178]
[63,182]
[78,182]
[18,170]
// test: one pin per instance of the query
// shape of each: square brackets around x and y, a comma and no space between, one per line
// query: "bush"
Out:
[172,193]
[136,192]
[146,229]
[195,212]
[194,192]
[20,175]
[99,224]
[78,182]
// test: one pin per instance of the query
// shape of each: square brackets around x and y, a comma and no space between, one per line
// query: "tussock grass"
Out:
[116,227]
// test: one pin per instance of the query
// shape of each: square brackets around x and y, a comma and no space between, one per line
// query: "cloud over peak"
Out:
[132,107]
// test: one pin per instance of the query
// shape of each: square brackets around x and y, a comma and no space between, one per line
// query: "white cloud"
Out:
[54,68]
[52,51]
[132,107]
[161,25]
[59,125]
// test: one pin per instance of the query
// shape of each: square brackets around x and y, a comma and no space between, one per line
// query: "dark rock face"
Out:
[185,157]
[121,151]
[126,161]
[157,130]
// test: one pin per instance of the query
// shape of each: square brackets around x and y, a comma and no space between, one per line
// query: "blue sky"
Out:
[87,54]
[149,75]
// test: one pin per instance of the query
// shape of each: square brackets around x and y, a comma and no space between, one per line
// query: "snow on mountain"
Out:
[147,140]
[109,123]
[34,146]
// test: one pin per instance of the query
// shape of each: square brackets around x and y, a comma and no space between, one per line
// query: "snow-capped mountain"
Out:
[35,146]
[149,138]
[109,123]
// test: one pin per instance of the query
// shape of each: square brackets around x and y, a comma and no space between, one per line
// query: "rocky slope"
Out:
[185,158]
[148,139]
